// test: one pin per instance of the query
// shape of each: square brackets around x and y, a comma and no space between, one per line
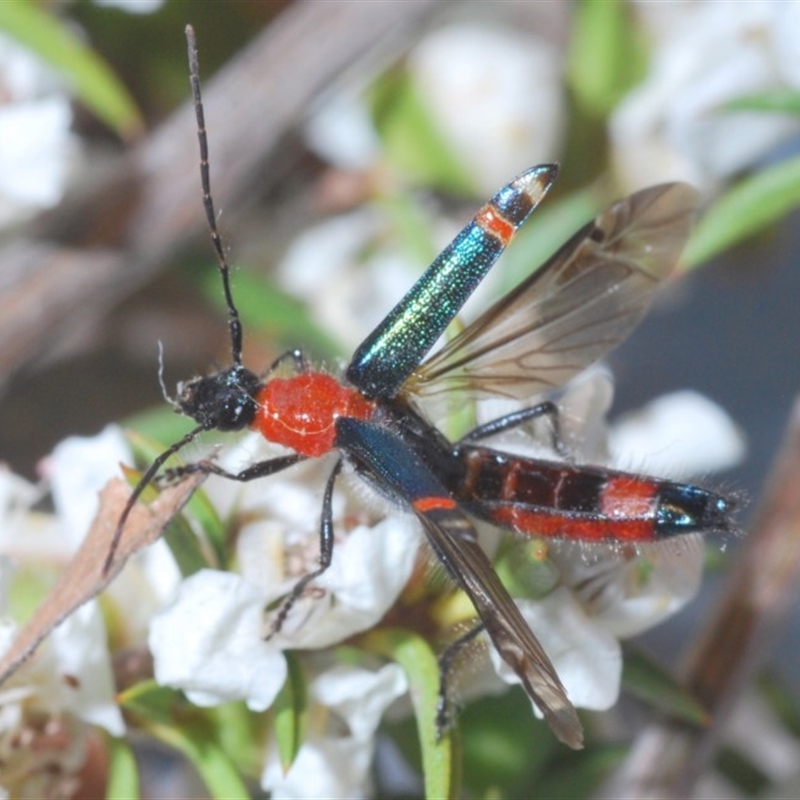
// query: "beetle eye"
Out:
[224,402]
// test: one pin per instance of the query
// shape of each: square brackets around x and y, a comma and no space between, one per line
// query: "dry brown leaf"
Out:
[84,577]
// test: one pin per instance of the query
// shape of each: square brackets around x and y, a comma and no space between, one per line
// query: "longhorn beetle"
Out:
[582,302]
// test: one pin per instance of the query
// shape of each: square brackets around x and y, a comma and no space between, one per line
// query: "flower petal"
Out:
[360,696]
[588,659]
[369,570]
[81,652]
[679,434]
[336,758]
[209,643]
[628,595]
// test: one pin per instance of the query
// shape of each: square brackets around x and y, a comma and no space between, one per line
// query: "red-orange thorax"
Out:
[301,412]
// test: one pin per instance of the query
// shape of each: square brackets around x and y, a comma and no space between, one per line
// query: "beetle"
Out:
[571,311]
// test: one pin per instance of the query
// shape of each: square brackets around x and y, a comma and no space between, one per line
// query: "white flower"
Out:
[49,702]
[49,705]
[347,704]
[677,435]
[24,534]
[132,6]
[626,594]
[586,657]
[78,649]
[341,131]
[69,680]
[37,147]
[496,96]
[706,54]
[351,295]
[76,470]
[210,643]
[71,671]
[278,546]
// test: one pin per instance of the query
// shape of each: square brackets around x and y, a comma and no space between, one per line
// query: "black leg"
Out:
[446,659]
[325,553]
[515,419]
[259,470]
[296,356]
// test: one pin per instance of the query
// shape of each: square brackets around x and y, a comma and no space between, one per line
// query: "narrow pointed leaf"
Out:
[123,772]
[421,666]
[652,684]
[782,101]
[291,713]
[167,716]
[88,76]
[750,207]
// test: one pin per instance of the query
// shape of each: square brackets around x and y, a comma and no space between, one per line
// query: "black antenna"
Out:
[234,323]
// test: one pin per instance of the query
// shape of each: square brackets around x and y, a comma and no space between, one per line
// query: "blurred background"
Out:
[349,141]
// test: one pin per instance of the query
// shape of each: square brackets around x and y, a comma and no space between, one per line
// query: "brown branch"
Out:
[86,574]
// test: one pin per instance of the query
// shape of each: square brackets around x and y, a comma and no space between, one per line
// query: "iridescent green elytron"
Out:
[395,348]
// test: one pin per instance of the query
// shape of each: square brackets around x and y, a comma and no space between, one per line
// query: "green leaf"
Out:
[743,770]
[242,734]
[216,770]
[30,583]
[151,701]
[525,569]
[782,101]
[185,547]
[291,713]
[649,682]
[88,76]
[574,774]
[411,139]
[270,313]
[782,702]
[123,771]
[506,749]
[606,55]
[411,226]
[421,666]
[158,424]
[167,716]
[750,207]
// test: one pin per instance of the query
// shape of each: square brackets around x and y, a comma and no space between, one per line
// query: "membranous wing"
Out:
[515,641]
[581,303]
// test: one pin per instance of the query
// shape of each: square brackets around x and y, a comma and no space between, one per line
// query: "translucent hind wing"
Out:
[579,305]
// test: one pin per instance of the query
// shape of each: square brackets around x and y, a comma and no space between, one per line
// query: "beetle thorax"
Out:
[301,412]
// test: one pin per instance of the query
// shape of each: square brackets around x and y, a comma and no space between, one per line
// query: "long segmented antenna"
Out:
[234,324]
